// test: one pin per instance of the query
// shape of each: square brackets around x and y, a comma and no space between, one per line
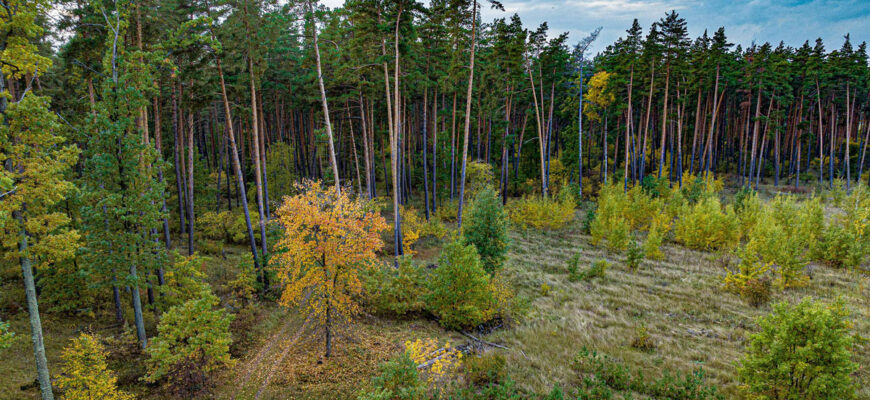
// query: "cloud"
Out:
[745,21]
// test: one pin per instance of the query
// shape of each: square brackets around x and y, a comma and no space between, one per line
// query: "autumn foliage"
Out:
[328,240]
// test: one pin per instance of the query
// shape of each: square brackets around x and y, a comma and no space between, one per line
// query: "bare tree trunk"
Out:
[228,119]
[331,145]
[467,115]
[33,311]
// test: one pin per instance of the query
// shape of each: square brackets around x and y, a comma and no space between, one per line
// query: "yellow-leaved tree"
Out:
[328,239]
[86,374]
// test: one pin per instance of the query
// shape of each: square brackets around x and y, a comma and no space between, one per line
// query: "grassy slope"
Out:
[679,300]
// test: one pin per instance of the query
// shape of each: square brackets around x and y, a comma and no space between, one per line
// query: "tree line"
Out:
[124,121]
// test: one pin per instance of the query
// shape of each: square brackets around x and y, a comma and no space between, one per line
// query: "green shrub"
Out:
[392,291]
[598,269]
[459,292]
[707,226]
[486,227]
[398,380]
[573,264]
[801,351]
[185,280]
[193,341]
[6,336]
[485,369]
[604,374]
[634,255]
[655,187]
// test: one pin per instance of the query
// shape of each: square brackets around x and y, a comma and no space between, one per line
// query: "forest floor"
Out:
[692,322]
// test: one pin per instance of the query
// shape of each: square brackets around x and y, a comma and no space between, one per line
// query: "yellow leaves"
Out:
[86,375]
[328,239]
[18,26]
[442,360]
[598,95]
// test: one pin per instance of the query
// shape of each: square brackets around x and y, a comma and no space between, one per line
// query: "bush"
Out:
[487,229]
[707,226]
[634,255]
[244,286]
[438,361]
[226,226]
[185,280]
[846,241]
[598,269]
[479,175]
[6,336]
[397,291]
[542,213]
[485,369]
[756,291]
[447,211]
[642,339]
[606,374]
[193,341]
[86,375]
[459,289]
[802,351]
[398,380]
[573,264]
[777,242]
[660,226]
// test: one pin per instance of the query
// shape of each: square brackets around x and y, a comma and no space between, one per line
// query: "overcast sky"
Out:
[792,21]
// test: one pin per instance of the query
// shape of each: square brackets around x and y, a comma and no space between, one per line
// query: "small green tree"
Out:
[399,380]
[193,341]
[459,291]
[801,352]
[86,375]
[6,336]
[487,229]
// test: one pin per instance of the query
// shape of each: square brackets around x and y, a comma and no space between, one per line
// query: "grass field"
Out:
[691,321]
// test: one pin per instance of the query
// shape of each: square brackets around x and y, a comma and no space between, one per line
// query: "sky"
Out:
[745,21]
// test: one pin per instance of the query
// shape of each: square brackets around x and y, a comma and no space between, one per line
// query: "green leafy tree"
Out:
[193,342]
[121,197]
[459,291]
[487,229]
[802,351]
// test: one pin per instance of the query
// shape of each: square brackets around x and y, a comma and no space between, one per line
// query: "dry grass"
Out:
[692,321]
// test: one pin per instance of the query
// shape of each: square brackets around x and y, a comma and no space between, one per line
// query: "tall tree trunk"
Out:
[425,147]
[243,198]
[36,336]
[177,144]
[331,145]
[467,115]
[190,218]
[664,119]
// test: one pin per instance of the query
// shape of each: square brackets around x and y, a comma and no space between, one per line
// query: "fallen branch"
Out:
[491,344]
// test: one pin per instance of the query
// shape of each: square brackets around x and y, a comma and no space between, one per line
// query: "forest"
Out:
[259,199]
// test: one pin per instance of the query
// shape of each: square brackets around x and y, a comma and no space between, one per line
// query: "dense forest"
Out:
[212,199]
